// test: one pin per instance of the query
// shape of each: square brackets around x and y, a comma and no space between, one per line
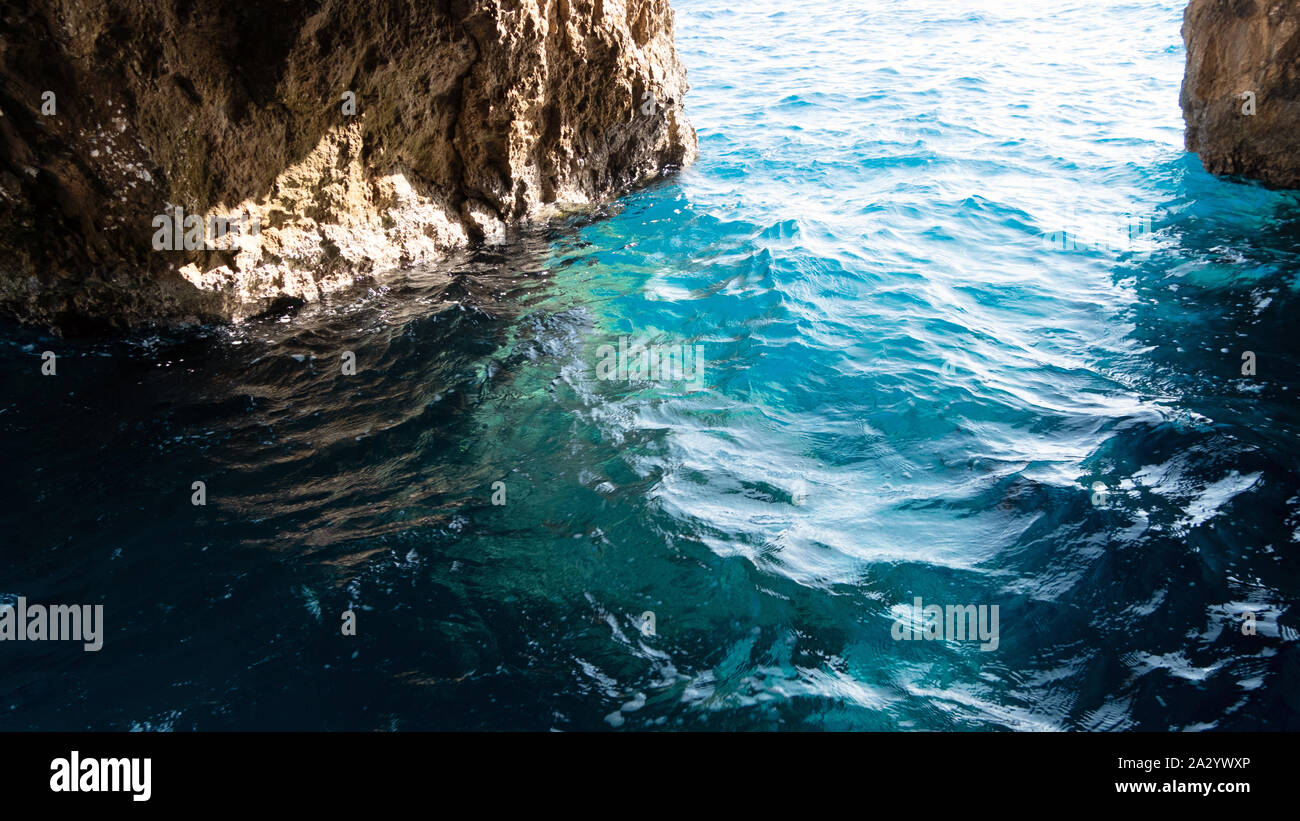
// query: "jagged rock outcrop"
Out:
[1243,56]
[338,138]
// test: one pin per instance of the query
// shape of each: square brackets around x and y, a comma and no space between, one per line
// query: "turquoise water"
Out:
[908,390]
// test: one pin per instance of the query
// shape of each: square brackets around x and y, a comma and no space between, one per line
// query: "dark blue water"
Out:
[939,361]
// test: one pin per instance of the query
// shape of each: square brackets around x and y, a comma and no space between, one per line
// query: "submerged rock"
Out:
[171,160]
[1241,89]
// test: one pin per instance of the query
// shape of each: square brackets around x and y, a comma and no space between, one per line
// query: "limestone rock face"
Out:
[1244,56]
[181,160]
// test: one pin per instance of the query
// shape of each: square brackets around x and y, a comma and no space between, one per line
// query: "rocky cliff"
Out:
[1241,89]
[176,160]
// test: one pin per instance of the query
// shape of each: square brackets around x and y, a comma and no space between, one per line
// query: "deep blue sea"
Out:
[972,327]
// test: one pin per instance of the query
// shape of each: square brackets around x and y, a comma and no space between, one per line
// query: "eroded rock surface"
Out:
[359,137]
[1243,56]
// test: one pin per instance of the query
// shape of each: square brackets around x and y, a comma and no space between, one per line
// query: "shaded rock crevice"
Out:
[470,116]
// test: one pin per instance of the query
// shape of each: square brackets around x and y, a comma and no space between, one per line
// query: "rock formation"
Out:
[1241,89]
[179,160]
